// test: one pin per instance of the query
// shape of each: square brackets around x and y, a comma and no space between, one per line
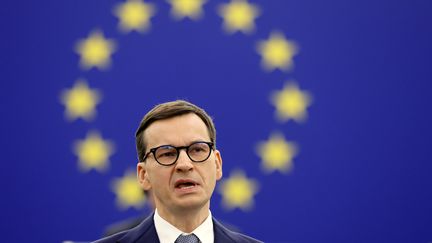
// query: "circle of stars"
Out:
[277,53]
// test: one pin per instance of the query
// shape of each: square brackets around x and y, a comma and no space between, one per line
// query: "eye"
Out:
[166,152]
[198,148]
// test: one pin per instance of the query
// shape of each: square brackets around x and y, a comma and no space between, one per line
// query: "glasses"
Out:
[167,154]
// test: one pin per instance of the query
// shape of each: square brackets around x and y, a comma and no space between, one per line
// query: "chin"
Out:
[192,203]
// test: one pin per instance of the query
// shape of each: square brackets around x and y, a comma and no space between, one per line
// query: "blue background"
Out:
[363,173]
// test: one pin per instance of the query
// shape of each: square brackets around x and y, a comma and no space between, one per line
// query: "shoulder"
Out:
[144,232]
[222,234]
[241,238]
[112,238]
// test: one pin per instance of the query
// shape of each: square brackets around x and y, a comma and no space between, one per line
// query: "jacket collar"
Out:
[221,234]
[146,232]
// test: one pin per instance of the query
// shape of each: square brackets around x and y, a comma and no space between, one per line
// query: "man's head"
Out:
[189,181]
[169,110]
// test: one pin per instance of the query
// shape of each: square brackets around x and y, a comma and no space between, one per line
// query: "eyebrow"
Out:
[170,144]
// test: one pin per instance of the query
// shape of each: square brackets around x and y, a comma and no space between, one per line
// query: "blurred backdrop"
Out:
[322,110]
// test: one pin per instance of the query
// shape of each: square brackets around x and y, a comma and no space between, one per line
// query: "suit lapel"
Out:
[144,232]
[221,234]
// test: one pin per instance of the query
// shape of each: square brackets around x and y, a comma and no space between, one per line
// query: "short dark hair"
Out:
[169,110]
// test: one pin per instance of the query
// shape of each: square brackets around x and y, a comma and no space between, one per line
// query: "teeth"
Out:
[186,185]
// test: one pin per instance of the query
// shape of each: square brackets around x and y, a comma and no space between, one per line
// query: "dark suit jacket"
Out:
[146,233]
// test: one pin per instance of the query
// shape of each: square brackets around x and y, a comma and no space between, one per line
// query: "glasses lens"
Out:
[199,152]
[166,154]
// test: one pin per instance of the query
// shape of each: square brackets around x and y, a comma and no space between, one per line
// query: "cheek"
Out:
[210,175]
[159,178]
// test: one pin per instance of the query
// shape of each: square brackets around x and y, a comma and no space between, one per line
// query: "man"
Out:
[179,163]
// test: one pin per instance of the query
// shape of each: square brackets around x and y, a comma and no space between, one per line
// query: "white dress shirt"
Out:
[168,233]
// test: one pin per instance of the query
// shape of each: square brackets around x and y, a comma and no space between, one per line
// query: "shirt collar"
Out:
[168,233]
[205,230]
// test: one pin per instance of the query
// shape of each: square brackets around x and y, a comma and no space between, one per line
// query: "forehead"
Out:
[179,130]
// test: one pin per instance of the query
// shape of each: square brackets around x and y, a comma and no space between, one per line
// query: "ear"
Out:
[142,176]
[218,161]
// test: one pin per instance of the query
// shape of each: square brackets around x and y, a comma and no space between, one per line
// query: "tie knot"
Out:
[192,238]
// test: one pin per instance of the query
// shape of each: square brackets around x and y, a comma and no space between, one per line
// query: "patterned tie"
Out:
[187,239]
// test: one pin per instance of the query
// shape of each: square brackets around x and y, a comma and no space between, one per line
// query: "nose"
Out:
[184,163]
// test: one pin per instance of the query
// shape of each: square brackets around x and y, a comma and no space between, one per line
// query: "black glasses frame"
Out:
[178,149]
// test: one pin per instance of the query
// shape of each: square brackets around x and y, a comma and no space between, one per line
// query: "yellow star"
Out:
[291,103]
[277,154]
[80,101]
[238,191]
[95,51]
[134,15]
[93,152]
[277,52]
[128,192]
[186,8]
[239,15]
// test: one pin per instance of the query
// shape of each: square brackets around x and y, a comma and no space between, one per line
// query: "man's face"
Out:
[186,184]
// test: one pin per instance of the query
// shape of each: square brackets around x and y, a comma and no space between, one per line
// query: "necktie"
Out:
[187,239]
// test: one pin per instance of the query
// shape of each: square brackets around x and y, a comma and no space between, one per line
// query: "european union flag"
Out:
[322,111]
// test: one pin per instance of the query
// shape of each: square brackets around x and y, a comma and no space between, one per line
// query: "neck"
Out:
[185,220]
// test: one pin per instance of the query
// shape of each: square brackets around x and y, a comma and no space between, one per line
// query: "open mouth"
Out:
[184,184]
